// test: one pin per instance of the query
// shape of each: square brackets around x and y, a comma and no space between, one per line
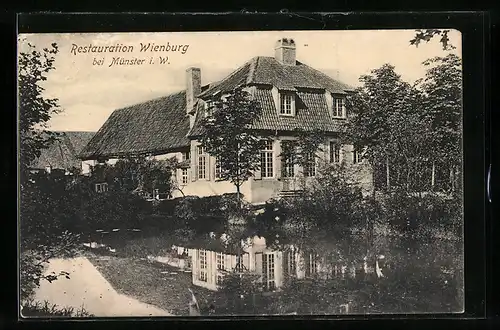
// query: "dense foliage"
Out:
[35,110]
[46,310]
[228,137]
[411,133]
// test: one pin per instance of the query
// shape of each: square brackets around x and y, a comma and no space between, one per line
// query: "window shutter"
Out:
[194,162]
[258,263]
[212,168]
[307,261]
[277,158]
[208,168]
[257,175]
[285,263]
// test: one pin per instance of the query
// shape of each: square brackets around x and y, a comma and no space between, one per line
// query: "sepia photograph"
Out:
[178,174]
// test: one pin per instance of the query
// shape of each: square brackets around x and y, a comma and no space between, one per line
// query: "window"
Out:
[239,264]
[101,187]
[286,104]
[334,152]
[310,165]
[292,263]
[220,261]
[268,272]
[219,279]
[266,160]
[186,155]
[202,163]
[339,107]
[184,176]
[217,169]
[356,156]
[202,259]
[312,264]
[208,108]
[287,160]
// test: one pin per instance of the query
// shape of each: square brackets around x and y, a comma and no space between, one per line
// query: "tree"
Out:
[35,110]
[229,138]
[428,34]
[442,88]
[45,207]
[386,119]
[137,175]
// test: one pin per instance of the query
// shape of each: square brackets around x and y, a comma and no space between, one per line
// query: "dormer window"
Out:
[287,104]
[208,108]
[339,107]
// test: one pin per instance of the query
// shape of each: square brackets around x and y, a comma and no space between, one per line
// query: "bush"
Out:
[409,213]
[37,309]
[201,214]
[111,210]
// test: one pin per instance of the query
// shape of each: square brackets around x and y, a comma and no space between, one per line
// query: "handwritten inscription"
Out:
[123,55]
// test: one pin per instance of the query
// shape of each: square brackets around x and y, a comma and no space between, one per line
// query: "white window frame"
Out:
[267,160]
[184,176]
[208,109]
[356,156]
[101,187]
[269,271]
[202,261]
[202,158]
[306,171]
[313,264]
[286,104]
[338,107]
[219,279]
[220,262]
[334,147]
[185,155]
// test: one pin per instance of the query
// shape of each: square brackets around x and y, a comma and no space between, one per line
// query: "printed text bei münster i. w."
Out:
[120,50]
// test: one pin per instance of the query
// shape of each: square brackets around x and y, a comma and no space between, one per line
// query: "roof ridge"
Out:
[151,100]
[232,74]
[251,72]
[325,75]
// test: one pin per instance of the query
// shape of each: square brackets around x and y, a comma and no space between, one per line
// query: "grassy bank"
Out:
[151,283]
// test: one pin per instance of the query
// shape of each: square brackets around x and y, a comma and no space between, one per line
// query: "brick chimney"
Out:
[193,87]
[285,51]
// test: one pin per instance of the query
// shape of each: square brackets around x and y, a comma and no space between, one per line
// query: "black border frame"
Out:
[474,27]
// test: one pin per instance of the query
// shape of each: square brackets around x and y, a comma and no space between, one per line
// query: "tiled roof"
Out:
[161,125]
[268,71]
[150,127]
[311,114]
[63,152]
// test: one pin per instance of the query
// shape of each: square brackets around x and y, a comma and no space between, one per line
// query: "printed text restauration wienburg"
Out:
[121,48]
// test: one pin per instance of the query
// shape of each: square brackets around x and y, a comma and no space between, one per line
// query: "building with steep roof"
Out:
[292,96]
[62,154]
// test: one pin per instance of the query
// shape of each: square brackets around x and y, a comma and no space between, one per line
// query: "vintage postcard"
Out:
[240,173]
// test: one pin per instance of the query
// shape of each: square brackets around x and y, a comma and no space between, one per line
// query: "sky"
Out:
[88,93]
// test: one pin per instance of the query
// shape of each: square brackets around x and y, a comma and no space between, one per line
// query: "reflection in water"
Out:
[211,263]
[394,275]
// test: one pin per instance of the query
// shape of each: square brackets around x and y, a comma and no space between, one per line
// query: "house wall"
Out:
[256,189]
[252,261]
[255,252]
[259,189]
[212,270]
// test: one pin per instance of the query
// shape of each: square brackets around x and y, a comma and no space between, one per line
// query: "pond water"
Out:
[407,275]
